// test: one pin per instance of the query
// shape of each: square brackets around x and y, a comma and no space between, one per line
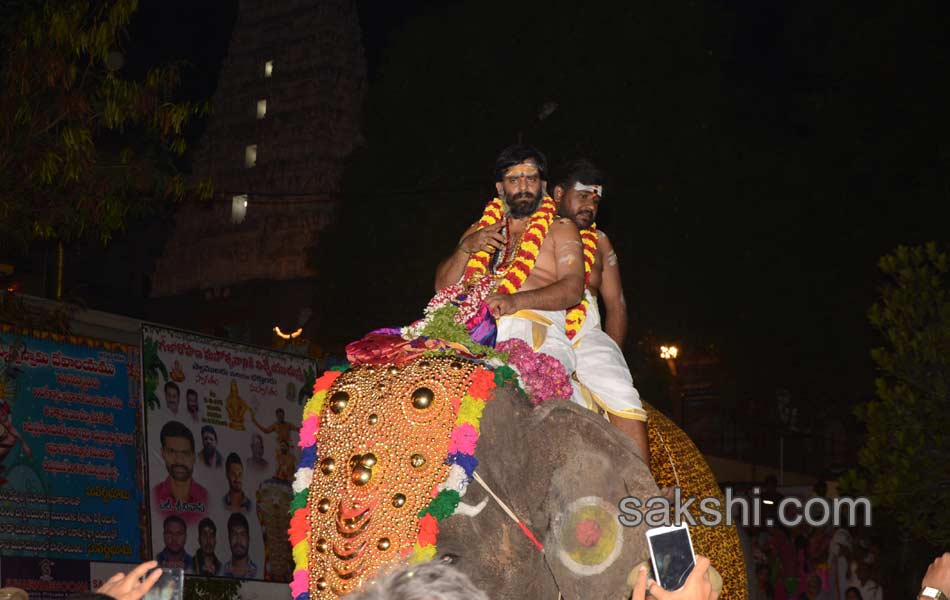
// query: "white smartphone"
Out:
[170,586]
[671,551]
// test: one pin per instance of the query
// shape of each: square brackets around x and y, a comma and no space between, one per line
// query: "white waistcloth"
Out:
[602,378]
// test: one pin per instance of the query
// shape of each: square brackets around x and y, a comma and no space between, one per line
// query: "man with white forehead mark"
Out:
[601,380]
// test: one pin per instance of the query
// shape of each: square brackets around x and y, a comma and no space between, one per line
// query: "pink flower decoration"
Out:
[464,439]
[542,375]
[299,584]
[308,430]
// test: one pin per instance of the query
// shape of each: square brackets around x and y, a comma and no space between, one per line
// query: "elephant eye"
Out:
[449,558]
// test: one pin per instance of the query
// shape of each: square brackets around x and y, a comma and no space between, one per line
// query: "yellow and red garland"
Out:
[577,314]
[528,250]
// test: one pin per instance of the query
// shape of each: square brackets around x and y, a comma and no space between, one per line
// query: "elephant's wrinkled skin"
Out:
[539,461]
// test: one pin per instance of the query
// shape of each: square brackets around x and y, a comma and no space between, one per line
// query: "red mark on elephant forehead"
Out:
[588,533]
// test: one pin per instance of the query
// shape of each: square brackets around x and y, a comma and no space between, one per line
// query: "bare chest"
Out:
[544,271]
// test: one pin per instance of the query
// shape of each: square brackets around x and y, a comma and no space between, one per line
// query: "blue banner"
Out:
[70,447]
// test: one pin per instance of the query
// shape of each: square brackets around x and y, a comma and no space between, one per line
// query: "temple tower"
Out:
[286,115]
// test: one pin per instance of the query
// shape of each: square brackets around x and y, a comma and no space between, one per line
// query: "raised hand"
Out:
[126,586]
[488,239]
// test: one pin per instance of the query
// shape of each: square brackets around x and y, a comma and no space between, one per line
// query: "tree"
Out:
[903,464]
[82,150]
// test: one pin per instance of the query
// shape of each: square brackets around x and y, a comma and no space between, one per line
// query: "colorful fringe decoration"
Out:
[462,460]
[446,496]
[299,521]
[577,314]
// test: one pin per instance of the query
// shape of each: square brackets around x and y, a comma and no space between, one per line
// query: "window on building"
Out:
[250,155]
[268,68]
[261,109]
[238,208]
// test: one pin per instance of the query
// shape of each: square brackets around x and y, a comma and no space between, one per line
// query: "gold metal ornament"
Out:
[338,402]
[393,426]
[422,398]
[361,475]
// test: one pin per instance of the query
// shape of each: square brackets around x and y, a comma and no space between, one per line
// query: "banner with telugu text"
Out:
[70,448]
[222,423]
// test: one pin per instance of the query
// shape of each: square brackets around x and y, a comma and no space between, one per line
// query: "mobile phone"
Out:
[671,551]
[170,586]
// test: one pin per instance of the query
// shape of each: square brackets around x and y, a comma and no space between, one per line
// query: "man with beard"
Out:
[172,396]
[235,500]
[173,555]
[191,403]
[206,563]
[209,447]
[179,493]
[602,380]
[530,304]
[256,461]
[239,538]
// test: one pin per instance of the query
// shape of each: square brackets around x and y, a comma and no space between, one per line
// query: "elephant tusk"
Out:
[471,510]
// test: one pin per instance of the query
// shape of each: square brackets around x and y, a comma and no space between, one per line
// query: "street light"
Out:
[669,354]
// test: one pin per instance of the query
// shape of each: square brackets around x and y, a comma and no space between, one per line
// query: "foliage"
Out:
[152,366]
[82,150]
[903,464]
[16,311]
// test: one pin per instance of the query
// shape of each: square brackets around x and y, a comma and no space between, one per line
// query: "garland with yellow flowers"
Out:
[577,314]
[527,252]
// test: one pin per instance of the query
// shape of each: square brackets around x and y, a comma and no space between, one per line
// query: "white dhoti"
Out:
[543,330]
[601,378]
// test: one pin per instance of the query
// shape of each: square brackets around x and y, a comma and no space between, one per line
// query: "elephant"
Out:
[439,458]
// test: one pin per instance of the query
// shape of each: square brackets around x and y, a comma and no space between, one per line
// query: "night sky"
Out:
[761,157]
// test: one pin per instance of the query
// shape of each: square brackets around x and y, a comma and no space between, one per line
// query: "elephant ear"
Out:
[589,552]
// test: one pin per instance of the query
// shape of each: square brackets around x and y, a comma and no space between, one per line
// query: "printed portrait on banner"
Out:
[222,436]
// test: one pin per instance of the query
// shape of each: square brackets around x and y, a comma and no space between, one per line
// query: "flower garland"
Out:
[528,250]
[462,463]
[543,376]
[577,314]
[446,496]
[299,506]
[477,283]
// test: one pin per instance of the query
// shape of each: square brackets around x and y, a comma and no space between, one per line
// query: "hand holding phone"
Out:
[697,587]
[132,585]
[671,551]
[170,585]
